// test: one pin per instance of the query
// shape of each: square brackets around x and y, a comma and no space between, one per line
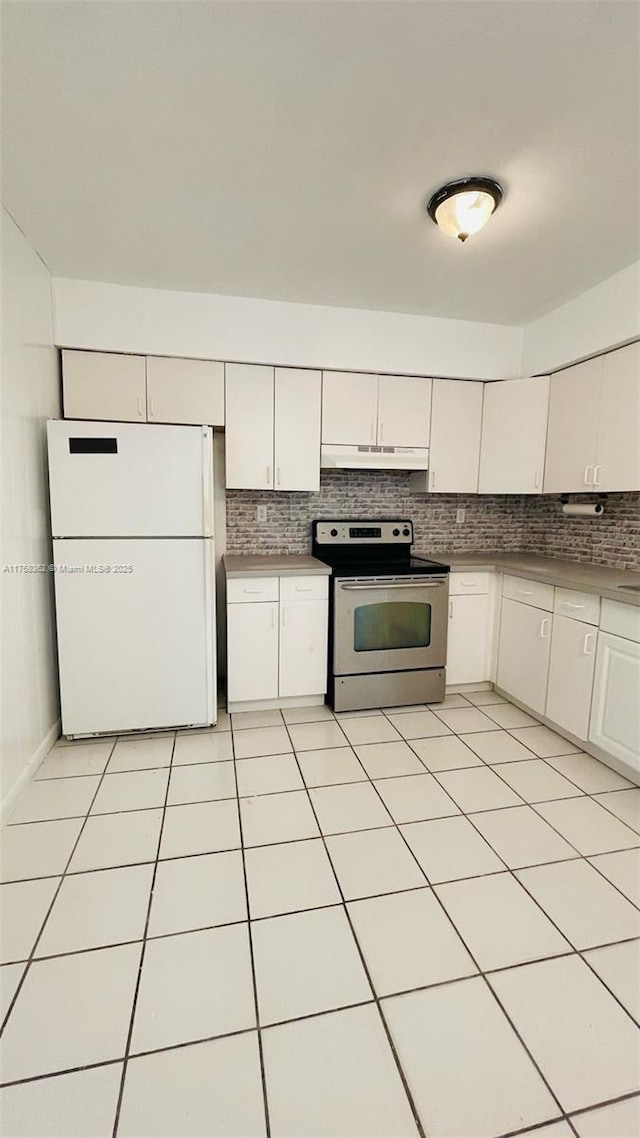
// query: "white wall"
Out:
[30,395]
[89,314]
[603,317]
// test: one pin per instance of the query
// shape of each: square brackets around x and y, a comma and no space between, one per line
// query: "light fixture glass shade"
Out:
[463,207]
[465,213]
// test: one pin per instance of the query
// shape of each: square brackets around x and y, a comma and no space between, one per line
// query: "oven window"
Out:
[391,624]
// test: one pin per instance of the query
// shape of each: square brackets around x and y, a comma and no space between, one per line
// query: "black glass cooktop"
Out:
[367,567]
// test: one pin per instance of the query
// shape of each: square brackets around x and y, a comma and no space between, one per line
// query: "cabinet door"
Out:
[349,408]
[104,385]
[618,454]
[571,667]
[252,651]
[249,427]
[297,428]
[574,409]
[454,454]
[523,654]
[303,647]
[467,640]
[185,391]
[615,710]
[404,411]
[514,433]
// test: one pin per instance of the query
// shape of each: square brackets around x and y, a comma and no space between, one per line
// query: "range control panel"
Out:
[363,531]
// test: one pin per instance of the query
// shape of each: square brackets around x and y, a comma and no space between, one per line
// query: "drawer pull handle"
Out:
[586,647]
[544,628]
[536,479]
[468,584]
[258,590]
[524,592]
[588,477]
[571,605]
[450,610]
[596,475]
[303,588]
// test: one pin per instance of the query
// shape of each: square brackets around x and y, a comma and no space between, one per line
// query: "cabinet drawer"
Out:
[621,620]
[466,584]
[577,606]
[251,589]
[528,592]
[304,588]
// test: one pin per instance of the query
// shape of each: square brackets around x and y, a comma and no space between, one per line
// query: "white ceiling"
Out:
[285,150]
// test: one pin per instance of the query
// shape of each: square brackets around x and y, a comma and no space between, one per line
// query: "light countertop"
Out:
[581,575]
[274,565]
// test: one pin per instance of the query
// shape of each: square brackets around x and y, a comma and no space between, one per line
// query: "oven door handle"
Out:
[396,585]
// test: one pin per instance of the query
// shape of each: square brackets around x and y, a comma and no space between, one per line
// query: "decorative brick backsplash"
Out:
[507,523]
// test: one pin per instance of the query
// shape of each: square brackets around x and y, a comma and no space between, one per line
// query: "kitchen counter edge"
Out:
[579,575]
[274,565]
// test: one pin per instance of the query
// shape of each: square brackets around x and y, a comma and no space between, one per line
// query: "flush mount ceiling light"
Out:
[463,207]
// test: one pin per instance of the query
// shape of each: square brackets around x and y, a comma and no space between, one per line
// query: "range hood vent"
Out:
[335,457]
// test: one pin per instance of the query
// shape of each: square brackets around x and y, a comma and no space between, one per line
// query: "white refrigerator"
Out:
[133,554]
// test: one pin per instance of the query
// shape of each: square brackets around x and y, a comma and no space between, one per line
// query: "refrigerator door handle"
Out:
[209,610]
[207,481]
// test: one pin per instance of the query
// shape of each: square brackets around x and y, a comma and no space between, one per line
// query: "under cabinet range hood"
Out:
[336,457]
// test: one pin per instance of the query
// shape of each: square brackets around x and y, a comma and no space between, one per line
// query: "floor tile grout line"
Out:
[322,786]
[143,949]
[548,916]
[586,856]
[266,845]
[61,876]
[313,909]
[254,982]
[401,1074]
[484,978]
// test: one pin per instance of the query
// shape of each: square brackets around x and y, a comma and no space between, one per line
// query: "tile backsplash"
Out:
[493,522]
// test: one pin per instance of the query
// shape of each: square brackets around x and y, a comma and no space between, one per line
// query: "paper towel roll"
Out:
[583,510]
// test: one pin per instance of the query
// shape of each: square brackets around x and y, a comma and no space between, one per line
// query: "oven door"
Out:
[387,624]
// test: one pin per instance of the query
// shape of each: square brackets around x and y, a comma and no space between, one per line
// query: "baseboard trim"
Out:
[29,770]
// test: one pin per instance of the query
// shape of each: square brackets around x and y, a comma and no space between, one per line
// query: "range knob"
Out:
[334,533]
[406,533]
[396,533]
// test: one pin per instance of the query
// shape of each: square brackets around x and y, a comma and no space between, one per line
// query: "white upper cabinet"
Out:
[454,452]
[249,427]
[370,410]
[272,428]
[404,411]
[514,431]
[297,428]
[349,408]
[185,391]
[104,385]
[574,409]
[594,425]
[618,452]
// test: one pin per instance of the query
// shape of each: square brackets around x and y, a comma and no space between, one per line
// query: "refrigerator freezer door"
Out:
[135,634]
[129,480]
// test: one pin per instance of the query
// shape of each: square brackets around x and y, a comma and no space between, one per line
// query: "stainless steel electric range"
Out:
[387,615]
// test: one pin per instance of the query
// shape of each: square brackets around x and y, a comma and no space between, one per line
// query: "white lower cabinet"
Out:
[573,648]
[252,651]
[303,648]
[523,653]
[468,639]
[615,709]
[276,648]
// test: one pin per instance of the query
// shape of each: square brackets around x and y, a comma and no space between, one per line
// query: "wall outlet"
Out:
[460,514]
[261,514]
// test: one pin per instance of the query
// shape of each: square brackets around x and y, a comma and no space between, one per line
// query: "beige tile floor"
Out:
[421,922]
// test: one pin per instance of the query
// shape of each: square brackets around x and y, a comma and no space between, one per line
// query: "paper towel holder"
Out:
[594,508]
